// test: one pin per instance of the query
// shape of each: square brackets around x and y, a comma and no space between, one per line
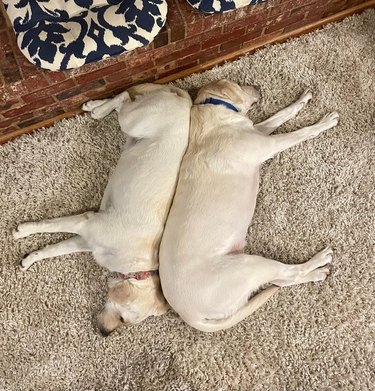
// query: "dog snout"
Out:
[106,329]
[108,320]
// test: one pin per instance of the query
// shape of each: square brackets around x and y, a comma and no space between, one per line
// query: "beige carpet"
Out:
[310,337]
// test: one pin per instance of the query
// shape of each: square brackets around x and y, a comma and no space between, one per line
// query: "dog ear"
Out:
[121,292]
[252,93]
[161,307]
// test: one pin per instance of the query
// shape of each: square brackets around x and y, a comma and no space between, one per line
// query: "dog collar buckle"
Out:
[214,101]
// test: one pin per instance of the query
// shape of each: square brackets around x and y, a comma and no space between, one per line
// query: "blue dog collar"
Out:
[214,101]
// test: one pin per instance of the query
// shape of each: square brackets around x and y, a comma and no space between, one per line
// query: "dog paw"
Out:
[305,97]
[330,120]
[19,233]
[28,260]
[319,274]
[323,258]
[90,105]
[23,265]
[323,273]
[15,233]
[97,113]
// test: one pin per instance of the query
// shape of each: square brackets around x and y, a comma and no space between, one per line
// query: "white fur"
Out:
[204,274]
[124,235]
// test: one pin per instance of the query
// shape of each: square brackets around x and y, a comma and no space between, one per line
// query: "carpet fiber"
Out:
[308,337]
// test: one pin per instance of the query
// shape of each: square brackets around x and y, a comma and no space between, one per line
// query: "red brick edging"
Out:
[30,96]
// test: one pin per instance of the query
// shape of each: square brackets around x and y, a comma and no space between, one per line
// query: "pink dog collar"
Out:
[132,275]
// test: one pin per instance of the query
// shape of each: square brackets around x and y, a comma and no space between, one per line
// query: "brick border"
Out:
[196,53]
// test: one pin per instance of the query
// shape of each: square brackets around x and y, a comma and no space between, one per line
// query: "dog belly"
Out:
[243,215]
[211,220]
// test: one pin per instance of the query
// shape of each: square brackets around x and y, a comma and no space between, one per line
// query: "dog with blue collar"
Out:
[206,276]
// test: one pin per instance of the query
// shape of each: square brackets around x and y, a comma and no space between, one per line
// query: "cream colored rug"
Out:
[308,337]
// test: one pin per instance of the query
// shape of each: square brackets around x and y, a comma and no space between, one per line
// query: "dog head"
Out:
[242,97]
[131,301]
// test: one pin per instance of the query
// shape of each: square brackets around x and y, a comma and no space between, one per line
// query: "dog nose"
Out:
[104,333]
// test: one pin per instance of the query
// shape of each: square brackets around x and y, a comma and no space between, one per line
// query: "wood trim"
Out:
[44,124]
[210,64]
[5,15]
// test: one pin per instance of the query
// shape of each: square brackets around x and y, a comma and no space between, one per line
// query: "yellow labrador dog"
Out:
[124,235]
[205,276]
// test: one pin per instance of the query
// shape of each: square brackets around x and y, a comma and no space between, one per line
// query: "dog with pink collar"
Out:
[124,235]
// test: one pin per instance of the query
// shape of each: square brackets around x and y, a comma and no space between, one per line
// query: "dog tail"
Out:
[211,325]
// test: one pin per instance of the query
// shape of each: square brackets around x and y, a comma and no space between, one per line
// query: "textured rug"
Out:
[308,337]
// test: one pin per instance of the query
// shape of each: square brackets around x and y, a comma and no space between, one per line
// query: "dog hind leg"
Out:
[91,104]
[212,325]
[72,224]
[101,108]
[312,270]
[233,278]
[72,245]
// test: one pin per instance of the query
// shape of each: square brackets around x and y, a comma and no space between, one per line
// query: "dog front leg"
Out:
[274,144]
[68,246]
[71,224]
[271,124]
